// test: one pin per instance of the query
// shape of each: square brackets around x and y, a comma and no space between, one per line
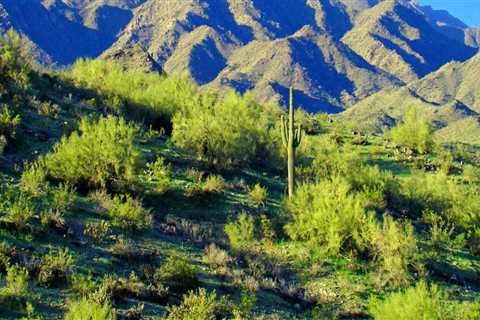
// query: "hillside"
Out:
[396,37]
[133,195]
[220,42]
[447,96]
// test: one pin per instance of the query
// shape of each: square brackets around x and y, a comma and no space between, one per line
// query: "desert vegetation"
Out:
[145,197]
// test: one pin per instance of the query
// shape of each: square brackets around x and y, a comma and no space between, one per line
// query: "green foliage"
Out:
[15,293]
[98,231]
[228,132]
[149,97]
[103,152]
[214,184]
[327,214]
[414,132]
[199,305]
[56,268]
[241,233]
[420,302]
[33,179]
[85,309]
[177,274]
[83,285]
[395,248]
[455,203]
[13,67]
[19,207]
[128,213]
[215,256]
[8,123]
[62,197]
[158,175]
[258,195]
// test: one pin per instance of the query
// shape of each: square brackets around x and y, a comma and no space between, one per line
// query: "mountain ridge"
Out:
[327,45]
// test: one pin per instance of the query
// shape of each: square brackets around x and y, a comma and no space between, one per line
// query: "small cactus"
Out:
[292,137]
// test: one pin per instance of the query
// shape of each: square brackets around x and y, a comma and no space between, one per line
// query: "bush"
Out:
[102,153]
[86,309]
[229,132]
[62,197]
[395,248]
[177,274]
[98,231]
[328,214]
[216,256]
[241,233]
[258,195]
[414,132]
[33,179]
[214,184]
[56,268]
[128,213]
[152,98]
[198,305]
[421,302]
[455,203]
[18,206]
[15,293]
[8,123]
[157,174]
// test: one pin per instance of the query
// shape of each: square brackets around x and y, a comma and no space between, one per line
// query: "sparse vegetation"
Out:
[132,196]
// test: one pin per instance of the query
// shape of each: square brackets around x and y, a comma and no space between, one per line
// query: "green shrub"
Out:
[152,98]
[413,132]
[14,69]
[241,233]
[214,184]
[103,152]
[83,285]
[215,256]
[395,249]
[8,123]
[62,197]
[177,274]
[85,309]
[18,206]
[128,213]
[98,231]
[258,195]
[377,187]
[56,268]
[421,302]
[229,132]
[455,203]
[15,293]
[33,179]
[198,305]
[328,214]
[158,174]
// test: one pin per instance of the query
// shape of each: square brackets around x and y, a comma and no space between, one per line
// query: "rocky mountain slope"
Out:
[450,97]
[337,52]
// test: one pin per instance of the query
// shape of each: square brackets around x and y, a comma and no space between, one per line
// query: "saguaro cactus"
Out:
[291,136]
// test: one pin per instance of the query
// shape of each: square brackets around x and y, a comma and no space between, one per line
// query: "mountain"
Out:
[336,52]
[452,27]
[450,97]
[396,37]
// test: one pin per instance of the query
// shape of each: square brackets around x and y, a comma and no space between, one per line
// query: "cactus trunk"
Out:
[291,139]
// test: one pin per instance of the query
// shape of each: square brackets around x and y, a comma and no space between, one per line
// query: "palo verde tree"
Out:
[291,136]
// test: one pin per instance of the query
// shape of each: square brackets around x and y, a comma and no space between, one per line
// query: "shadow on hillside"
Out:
[66,39]
[306,102]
